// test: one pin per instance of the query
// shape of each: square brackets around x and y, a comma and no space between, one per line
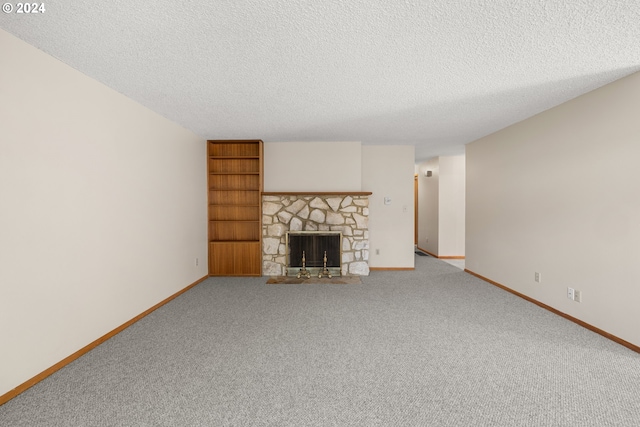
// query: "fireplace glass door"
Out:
[314,246]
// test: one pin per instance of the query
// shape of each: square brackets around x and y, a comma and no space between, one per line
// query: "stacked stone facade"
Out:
[348,214]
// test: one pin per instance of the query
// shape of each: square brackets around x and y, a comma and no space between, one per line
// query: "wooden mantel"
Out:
[317,193]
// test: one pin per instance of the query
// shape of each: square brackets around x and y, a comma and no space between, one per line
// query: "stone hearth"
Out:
[347,213]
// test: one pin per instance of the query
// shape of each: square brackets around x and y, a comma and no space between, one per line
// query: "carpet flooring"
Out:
[430,347]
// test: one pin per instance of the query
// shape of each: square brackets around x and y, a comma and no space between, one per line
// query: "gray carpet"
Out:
[430,347]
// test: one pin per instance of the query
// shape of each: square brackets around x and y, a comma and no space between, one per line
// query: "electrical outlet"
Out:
[197,262]
[377,251]
[571,293]
[537,277]
[577,296]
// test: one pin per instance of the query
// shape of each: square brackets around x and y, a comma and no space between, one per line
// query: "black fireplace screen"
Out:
[314,245]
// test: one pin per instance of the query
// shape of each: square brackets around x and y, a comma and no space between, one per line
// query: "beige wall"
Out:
[387,171]
[441,206]
[312,166]
[103,210]
[559,194]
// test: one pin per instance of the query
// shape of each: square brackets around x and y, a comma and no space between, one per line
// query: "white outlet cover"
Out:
[577,296]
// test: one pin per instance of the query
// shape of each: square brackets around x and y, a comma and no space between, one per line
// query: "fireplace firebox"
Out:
[316,253]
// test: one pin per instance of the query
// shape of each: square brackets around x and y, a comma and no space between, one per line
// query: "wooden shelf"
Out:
[234,157]
[251,181]
[238,197]
[234,173]
[228,205]
[233,165]
[235,185]
[242,149]
[234,230]
[235,241]
[234,212]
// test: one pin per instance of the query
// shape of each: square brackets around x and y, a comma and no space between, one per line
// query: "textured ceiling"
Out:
[434,74]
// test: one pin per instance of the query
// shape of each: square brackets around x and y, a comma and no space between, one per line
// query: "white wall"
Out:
[559,194]
[103,210]
[312,166]
[387,171]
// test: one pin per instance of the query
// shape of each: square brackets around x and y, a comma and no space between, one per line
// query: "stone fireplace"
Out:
[345,213]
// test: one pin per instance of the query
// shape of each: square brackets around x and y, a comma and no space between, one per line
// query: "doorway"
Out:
[415,210]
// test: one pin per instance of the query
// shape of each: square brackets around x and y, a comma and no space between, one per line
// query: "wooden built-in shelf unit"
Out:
[235,212]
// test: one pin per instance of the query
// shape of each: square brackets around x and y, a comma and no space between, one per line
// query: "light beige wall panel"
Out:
[451,206]
[558,194]
[312,166]
[103,210]
[429,206]
[387,171]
